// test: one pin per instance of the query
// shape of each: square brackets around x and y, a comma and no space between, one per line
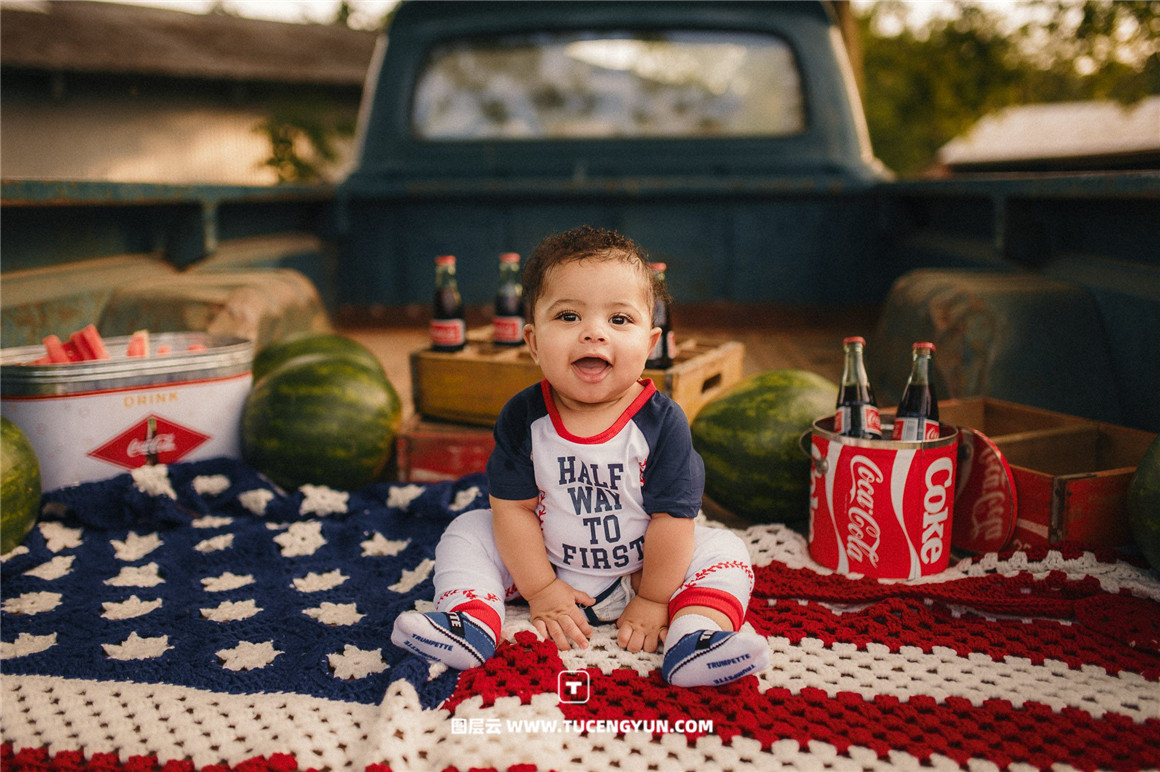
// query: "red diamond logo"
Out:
[153,440]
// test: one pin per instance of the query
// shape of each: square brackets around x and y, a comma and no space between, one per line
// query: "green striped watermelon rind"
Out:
[1144,505]
[748,439]
[19,486]
[275,354]
[321,419]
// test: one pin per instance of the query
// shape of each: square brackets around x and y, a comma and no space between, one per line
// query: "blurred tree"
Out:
[925,83]
[302,132]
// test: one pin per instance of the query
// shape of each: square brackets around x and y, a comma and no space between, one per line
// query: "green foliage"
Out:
[923,84]
[302,132]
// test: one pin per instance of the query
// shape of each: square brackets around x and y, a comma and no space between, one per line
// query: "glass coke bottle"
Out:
[507,324]
[917,417]
[857,414]
[661,356]
[448,322]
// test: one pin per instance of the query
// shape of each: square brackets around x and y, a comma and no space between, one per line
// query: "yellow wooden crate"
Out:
[472,385]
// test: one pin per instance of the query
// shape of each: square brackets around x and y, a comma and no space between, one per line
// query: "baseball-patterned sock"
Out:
[454,638]
[702,654]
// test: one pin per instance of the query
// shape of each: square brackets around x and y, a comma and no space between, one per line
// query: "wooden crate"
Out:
[471,386]
[1071,474]
[431,451]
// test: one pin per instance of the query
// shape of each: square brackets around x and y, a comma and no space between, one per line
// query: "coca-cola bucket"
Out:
[95,419]
[881,508]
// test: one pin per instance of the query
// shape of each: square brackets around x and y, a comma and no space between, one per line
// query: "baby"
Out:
[594,485]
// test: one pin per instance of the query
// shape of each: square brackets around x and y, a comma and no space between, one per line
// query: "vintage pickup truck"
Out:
[728,137]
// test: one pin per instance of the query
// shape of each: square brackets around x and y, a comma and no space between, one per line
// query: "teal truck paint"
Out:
[741,160]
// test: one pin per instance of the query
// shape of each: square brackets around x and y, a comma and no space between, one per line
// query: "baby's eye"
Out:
[619,319]
[568,316]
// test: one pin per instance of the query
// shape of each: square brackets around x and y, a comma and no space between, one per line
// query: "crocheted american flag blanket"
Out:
[197,617]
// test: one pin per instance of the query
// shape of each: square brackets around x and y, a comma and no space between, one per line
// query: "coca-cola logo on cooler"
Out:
[152,440]
[863,534]
[940,477]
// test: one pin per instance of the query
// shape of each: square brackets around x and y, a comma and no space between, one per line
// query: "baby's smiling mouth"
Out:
[590,367]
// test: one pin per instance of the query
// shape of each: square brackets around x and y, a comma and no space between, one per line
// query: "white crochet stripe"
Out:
[412,739]
[942,673]
[175,722]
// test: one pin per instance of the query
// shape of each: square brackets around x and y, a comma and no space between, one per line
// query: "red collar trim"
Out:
[604,436]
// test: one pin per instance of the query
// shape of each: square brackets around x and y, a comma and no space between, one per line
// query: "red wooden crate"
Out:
[430,451]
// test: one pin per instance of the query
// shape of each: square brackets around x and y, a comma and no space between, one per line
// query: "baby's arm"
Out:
[668,549]
[552,601]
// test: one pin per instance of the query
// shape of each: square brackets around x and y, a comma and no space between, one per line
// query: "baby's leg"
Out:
[703,647]
[470,582]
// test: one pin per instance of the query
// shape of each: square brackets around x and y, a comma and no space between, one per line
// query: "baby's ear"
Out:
[530,339]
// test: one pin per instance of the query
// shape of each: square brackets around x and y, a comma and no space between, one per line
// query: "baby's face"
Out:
[593,330]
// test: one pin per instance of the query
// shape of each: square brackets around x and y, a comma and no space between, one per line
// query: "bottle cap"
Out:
[923,345]
[658,266]
[985,504]
[509,257]
[445,260]
[854,339]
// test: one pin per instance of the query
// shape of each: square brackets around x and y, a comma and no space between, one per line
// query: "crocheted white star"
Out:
[211,484]
[256,500]
[465,498]
[335,614]
[414,576]
[353,663]
[321,500]
[379,546]
[248,656]
[26,644]
[58,537]
[216,544]
[402,495]
[211,521]
[136,647]
[135,546]
[53,569]
[137,576]
[301,539]
[313,582]
[231,611]
[130,608]
[153,480]
[32,603]
[227,581]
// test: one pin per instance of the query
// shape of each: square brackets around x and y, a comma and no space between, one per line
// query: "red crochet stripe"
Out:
[40,760]
[898,622]
[920,726]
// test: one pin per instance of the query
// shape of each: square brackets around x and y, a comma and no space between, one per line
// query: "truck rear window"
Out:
[609,85]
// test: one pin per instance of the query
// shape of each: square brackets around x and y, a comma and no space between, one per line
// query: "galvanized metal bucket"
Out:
[92,420]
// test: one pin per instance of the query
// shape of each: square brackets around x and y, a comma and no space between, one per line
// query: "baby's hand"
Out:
[555,615]
[642,625]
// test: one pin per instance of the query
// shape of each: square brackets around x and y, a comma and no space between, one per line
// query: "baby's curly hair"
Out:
[586,243]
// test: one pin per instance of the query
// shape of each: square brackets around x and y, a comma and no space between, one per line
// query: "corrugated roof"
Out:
[1058,131]
[75,36]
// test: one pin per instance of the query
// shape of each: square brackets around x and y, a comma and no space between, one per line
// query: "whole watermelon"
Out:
[19,486]
[1144,504]
[321,419]
[302,344]
[748,438]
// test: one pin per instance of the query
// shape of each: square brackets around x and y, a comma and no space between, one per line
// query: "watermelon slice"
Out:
[138,344]
[57,354]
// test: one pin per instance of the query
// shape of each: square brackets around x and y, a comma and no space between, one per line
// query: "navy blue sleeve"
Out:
[510,474]
[674,478]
